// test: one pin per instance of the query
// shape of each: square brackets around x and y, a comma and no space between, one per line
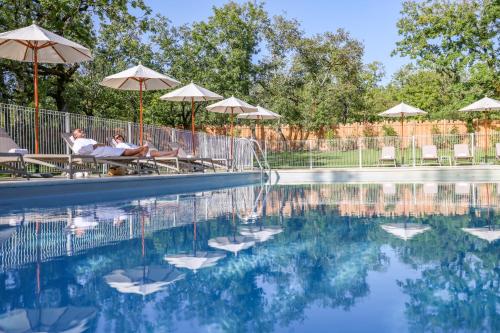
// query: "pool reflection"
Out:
[259,259]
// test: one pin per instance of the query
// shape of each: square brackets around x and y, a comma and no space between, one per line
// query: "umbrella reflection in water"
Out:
[143,280]
[198,259]
[63,319]
[405,231]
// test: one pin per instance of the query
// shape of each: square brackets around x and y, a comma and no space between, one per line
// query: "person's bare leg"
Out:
[171,153]
[140,151]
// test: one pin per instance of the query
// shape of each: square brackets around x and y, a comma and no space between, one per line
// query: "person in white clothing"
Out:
[84,146]
[120,143]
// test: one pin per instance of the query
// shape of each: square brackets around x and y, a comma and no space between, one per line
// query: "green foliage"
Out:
[314,82]
[389,131]
[435,130]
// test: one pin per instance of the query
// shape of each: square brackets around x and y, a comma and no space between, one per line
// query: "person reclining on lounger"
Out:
[84,146]
[120,143]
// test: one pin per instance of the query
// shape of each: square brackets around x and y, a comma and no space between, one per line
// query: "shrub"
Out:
[389,131]
[369,131]
[435,130]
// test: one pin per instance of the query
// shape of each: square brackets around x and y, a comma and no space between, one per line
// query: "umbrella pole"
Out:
[402,138]
[192,126]
[140,113]
[232,136]
[37,130]
[486,133]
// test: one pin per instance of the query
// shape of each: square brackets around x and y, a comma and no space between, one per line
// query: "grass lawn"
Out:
[350,158]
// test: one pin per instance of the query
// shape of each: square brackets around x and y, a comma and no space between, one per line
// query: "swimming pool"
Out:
[302,258]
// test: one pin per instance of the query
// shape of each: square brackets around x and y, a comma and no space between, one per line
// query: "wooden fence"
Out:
[411,128]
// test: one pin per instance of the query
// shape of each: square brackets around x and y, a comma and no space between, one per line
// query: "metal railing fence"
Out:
[18,121]
[366,151]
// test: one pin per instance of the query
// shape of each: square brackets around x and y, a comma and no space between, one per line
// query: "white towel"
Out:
[107,152]
[21,151]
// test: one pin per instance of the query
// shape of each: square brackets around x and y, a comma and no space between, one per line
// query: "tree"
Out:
[72,19]
[451,37]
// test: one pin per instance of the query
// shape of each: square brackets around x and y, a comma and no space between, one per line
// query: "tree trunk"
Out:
[282,136]
[254,131]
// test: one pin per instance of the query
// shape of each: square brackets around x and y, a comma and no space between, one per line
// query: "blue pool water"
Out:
[301,258]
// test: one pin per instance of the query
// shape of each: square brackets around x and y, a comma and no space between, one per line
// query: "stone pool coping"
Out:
[475,173]
[55,191]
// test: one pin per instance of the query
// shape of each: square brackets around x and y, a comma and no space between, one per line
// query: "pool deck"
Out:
[57,190]
[420,174]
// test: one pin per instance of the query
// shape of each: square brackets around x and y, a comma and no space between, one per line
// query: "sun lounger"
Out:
[461,153]
[175,163]
[15,160]
[137,164]
[388,155]
[429,154]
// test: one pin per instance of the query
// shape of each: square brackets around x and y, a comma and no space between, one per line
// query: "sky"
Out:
[371,21]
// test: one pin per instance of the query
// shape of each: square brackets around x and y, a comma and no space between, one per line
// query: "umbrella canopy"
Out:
[231,105]
[260,114]
[191,92]
[37,45]
[488,234]
[405,231]
[143,280]
[484,104]
[195,261]
[260,234]
[402,110]
[64,319]
[194,93]
[139,78]
[24,43]
[232,244]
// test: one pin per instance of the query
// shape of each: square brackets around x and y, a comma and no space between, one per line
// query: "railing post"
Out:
[360,152]
[67,127]
[265,148]
[310,155]
[129,131]
[472,148]
[413,153]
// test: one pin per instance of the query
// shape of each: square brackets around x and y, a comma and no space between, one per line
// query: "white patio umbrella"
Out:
[402,110]
[37,45]
[405,231]
[139,78]
[195,261]
[231,105]
[143,280]
[485,105]
[487,233]
[194,93]
[261,114]
[233,244]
